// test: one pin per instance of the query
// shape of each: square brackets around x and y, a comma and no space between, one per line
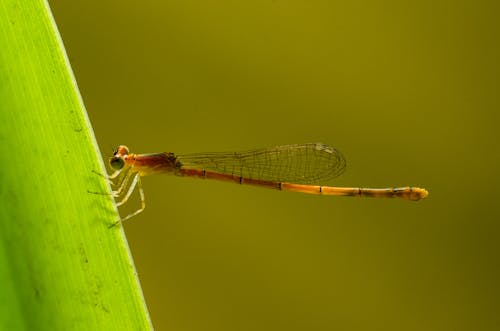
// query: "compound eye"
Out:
[116,163]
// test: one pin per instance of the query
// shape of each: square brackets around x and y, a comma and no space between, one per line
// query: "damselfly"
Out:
[297,168]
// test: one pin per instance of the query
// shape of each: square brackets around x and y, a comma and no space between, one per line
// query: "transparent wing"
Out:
[301,163]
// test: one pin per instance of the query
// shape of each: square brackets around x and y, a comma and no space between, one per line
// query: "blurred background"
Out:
[408,91]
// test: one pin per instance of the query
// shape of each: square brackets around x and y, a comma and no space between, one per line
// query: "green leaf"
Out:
[61,267]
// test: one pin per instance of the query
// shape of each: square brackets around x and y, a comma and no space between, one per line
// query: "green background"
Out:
[408,91]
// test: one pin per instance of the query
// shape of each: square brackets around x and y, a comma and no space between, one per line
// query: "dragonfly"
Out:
[297,168]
